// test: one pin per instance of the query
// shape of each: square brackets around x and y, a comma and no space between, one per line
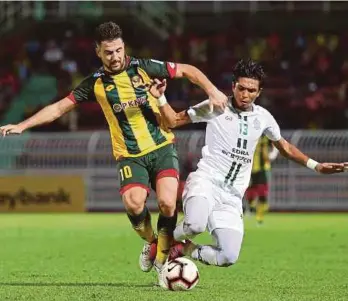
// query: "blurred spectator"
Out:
[307,70]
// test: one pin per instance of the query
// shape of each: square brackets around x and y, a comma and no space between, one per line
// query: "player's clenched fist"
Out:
[217,100]
[158,87]
[10,129]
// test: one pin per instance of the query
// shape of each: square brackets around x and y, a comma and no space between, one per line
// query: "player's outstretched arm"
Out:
[201,112]
[46,115]
[216,97]
[171,118]
[291,152]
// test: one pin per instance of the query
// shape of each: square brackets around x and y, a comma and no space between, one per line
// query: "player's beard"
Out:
[117,65]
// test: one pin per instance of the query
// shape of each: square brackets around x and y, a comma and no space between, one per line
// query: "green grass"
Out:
[94,257]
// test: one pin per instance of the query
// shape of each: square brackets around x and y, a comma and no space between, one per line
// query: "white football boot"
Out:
[159,270]
[147,256]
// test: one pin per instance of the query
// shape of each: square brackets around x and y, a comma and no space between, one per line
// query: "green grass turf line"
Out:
[94,257]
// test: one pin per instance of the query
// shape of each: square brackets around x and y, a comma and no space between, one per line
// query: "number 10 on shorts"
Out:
[125,172]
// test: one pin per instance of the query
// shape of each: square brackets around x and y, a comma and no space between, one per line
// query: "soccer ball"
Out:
[180,274]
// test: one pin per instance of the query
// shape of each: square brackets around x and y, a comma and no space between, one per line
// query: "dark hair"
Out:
[250,69]
[107,31]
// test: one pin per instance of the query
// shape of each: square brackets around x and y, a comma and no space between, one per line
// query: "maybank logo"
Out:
[45,193]
[118,107]
[25,197]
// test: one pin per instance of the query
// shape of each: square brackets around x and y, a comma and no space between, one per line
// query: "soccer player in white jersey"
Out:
[212,197]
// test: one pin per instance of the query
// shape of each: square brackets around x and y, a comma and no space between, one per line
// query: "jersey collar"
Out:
[238,112]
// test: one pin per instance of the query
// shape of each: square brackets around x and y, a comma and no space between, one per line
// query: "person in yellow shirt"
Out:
[257,193]
[142,143]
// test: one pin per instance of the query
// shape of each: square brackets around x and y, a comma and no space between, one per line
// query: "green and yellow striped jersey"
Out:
[135,123]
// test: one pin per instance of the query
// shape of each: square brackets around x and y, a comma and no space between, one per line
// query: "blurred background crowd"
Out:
[47,49]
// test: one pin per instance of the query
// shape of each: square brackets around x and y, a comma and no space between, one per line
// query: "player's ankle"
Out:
[158,265]
[189,247]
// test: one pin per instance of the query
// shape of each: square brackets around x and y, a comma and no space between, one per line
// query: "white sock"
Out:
[179,234]
[205,254]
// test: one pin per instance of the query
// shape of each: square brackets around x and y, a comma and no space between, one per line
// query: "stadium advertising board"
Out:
[46,193]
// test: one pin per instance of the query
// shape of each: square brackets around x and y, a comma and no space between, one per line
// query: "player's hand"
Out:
[330,168]
[10,129]
[158,87]
[218,100]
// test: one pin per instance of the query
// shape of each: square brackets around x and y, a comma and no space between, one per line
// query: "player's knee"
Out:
[227,258]
[193,229]
[134,203]
[167,206]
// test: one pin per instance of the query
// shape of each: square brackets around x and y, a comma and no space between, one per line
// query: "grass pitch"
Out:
[94,257]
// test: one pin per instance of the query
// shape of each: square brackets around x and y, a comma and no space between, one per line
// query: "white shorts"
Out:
[225,209]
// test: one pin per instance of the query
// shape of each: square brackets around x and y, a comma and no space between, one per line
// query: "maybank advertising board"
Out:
[44,193]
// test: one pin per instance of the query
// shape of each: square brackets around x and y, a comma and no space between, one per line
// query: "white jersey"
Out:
[230,142]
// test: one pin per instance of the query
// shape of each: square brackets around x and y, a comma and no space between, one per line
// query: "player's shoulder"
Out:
[262,111]
[139,62]
[90,79]
[96,73]
[136,61]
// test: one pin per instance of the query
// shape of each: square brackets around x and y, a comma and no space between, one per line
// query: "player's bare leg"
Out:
[138,214]
[166,189]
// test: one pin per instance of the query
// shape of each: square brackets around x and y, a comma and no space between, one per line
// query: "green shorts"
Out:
[259,178]
[145,170]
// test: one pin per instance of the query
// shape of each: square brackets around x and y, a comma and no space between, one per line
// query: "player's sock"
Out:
[179,233]
[165,228]
[205,254]
[261,208]
[142,225]
[225,253]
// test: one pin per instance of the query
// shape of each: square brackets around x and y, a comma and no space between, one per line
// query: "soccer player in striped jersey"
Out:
[141,140]
[257,193]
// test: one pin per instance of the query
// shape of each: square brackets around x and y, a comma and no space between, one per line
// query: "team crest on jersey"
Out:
[138,82]
[109,88]
[257,124]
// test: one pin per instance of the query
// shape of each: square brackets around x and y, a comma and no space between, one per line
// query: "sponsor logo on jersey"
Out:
[239,155]
[229,118]
[129,104]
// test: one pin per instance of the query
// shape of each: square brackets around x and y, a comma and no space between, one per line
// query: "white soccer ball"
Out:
[180,274]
